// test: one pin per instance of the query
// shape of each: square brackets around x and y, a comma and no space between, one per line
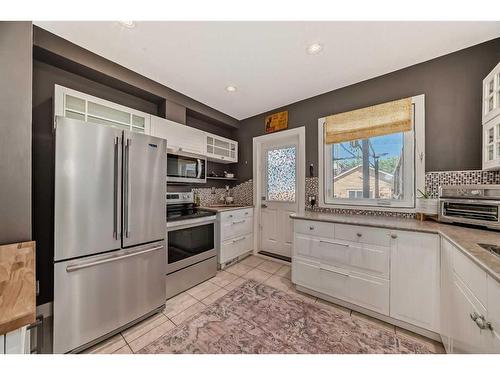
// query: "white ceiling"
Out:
[267,61]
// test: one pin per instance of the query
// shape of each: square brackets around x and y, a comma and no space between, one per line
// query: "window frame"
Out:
[414,139]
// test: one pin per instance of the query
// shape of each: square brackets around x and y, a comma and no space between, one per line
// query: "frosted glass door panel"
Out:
[281,174]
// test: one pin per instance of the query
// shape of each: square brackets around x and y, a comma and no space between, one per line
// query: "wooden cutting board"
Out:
[17,286]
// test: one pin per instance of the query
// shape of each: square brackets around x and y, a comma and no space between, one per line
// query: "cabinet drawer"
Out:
[234,248]
[236,228]
[360,289]
[370,292]
[471,275]
[236,214]
[354,233]
[365,258]
[371,259]
[305,274]
[314,228]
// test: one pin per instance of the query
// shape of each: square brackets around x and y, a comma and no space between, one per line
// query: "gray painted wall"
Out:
[15,131]
[452,86]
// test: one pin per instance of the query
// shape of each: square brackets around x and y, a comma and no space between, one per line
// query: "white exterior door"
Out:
[279,161]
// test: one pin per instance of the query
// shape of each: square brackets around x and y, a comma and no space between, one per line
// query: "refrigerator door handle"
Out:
[115,189]
[110,259]
[126,188]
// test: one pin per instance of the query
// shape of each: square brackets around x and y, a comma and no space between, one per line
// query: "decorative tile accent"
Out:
[434,179]
[243,193]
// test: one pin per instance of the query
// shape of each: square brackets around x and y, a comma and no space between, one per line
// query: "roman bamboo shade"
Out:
[374,121]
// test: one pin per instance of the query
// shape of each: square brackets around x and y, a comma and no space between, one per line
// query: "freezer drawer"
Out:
[96,295]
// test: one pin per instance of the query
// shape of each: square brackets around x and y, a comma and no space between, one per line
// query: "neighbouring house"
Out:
[349,184]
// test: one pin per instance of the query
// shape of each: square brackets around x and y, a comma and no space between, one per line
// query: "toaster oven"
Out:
[470,204]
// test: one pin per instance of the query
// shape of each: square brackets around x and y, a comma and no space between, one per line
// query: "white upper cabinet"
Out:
[491,144]
[491,94]
[491,120]
[180,138]
[77,105]
[220,149]
[415,279]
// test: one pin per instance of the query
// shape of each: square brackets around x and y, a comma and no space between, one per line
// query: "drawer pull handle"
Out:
[394,236]
[333,271]
[481,321]
[335,243]
[359,234]
[311,228]
[239,222]
[239,239]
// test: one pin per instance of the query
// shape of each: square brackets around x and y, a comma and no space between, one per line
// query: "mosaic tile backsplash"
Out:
[243,193]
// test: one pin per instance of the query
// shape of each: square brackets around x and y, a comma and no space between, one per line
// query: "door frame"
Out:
[300,134]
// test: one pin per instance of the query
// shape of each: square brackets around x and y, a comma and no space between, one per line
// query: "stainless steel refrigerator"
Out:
[109,230]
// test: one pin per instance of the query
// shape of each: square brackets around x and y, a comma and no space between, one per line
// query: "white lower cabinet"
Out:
[471,307]
[349,263]
[466,336]
[15,342]
[412,277]
[446,299]
[415,279]
[234,234]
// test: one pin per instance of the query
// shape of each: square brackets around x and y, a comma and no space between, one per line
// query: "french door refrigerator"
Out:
[109,231]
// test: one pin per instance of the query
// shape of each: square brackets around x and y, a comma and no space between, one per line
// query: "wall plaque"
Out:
[277,121]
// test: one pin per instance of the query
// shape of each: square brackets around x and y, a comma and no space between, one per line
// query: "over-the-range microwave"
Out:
[186,168]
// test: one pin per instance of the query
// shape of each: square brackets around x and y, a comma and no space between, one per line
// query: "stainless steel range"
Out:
[470,204]
[191,255]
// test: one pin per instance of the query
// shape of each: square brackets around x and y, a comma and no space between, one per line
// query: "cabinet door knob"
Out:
[394,236]
[311,228]
[359,234]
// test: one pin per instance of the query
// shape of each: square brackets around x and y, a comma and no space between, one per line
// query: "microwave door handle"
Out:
[198,161]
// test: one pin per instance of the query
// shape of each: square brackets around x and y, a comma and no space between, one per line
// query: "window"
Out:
[281,174]
[378,171]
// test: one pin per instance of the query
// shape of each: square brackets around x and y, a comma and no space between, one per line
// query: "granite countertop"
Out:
[465,239]
[223,208]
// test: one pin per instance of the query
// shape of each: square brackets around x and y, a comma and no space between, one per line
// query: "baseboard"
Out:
[275,256]
[410,327]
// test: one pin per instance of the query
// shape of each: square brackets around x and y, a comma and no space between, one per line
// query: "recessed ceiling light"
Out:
[314,49]
[230,88]
[128,24]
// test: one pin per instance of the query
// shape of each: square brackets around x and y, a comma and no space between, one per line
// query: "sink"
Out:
[494,249]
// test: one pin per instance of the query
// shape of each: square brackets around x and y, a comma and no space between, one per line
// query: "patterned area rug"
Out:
[256,318]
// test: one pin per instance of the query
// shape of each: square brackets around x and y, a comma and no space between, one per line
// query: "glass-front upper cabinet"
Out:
[491,144]
[222,150]
[491,95]
[77,105]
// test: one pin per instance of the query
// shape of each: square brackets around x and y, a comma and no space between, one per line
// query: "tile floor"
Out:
[185,305]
